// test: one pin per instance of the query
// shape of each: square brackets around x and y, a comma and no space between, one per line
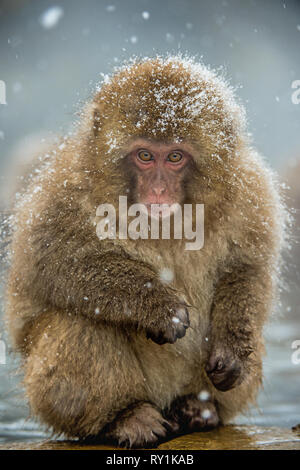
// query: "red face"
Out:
[159,169]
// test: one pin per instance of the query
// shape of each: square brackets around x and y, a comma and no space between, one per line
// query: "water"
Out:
[279,401]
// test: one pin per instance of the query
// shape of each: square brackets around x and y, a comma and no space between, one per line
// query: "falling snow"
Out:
[50,18]
[133,39]
[206,414]
[111,8]
[204,395]
[166,275]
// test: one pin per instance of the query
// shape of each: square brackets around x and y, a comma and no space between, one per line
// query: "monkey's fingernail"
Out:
[184,304]
[182,314]
[169,427]
[210,367]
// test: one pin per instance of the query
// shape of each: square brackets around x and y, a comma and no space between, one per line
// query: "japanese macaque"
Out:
[134,338]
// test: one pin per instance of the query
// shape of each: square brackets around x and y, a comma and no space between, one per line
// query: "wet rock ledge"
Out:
[224,438]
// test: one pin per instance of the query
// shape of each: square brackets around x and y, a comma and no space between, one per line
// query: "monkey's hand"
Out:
[224,368]
[172,325]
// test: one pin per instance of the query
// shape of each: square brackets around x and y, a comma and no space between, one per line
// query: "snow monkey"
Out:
[111,345]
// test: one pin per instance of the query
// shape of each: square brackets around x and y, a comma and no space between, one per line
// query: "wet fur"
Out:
[83,369]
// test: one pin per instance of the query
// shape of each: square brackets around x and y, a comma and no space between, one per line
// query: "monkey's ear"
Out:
[96,121]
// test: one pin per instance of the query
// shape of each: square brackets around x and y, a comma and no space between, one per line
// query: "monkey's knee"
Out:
[61,405]
[77,387]
[76,407]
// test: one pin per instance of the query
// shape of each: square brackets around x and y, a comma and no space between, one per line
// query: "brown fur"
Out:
[83,369]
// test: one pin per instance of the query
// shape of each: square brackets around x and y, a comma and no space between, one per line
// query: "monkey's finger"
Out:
[215,363]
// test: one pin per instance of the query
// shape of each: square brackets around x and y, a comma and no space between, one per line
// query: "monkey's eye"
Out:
[145,156]
[174,157]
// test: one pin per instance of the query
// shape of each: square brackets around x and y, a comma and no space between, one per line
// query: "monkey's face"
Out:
[163,133]
[158,172]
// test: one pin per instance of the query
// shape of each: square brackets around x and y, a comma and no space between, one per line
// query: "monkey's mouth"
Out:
[160,211]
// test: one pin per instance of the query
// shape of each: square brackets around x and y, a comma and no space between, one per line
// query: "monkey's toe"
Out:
[139,426]
[203,417]
[190,414]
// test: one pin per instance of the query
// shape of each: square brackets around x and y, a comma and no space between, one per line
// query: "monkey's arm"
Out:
[246,284]
[240,306]
[69,268]
[108,284]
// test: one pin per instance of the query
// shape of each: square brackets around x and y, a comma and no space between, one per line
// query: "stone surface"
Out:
[224,438]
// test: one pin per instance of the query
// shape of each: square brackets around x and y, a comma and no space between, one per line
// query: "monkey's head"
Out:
[165,131]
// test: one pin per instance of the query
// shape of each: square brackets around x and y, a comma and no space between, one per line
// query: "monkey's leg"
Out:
[240,307]
[140,425]
[189,414]
[80,375]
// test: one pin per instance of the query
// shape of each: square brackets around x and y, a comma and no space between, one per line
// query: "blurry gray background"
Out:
[51,57]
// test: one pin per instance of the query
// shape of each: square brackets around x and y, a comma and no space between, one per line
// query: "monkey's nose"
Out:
[158,191]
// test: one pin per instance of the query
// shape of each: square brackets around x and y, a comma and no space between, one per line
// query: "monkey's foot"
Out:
[190,414]
[139,426]
[172,328]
